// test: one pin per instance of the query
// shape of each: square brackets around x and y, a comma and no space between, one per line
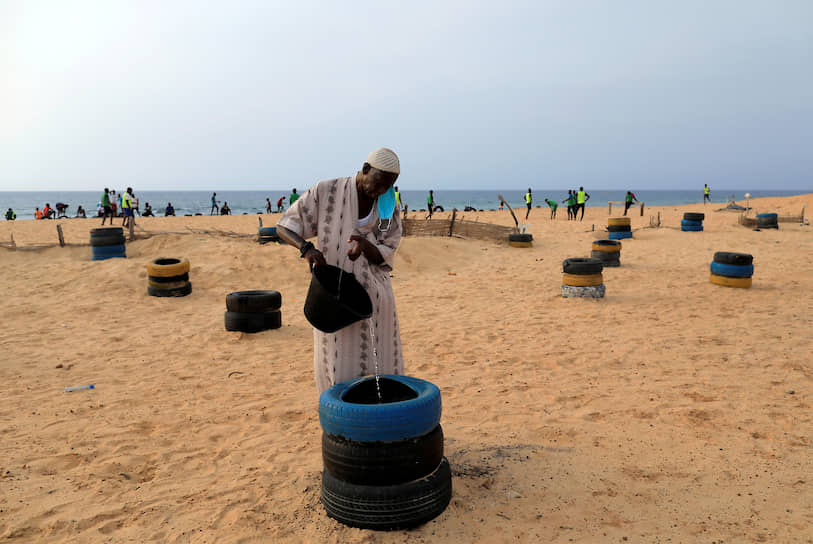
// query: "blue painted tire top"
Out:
[767,216]
[268,231]
[688,223]
[109,251]
[732,270]
[689,228]
[619,235]
[389,422]
[105,257]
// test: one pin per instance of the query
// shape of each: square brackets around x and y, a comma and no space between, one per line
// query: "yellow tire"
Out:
[606,249]
[520,244]
[618,221]
[166,284]
[587,280]
[166,267]
[744,283]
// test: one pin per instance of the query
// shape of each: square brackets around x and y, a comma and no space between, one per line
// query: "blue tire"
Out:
[732,270]
[388,422]
[767,216]
[95,258]
[689,228]
[619,235]
[109,251]
[687,223]
[268,231]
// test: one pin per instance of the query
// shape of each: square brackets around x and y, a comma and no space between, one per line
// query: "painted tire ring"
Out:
[619,235]
[728,257]
[584,280]
[596,291]
[743,283]
[732,270]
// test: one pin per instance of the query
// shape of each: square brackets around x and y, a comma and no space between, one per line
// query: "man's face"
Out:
[374,182]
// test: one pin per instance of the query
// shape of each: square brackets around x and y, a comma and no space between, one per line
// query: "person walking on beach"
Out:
[10,215]
[280,203]
[113,205]
[398,198]
[134,204]
[214,207]
[569,200]
[107,209]
[430,202]
[127,207]
[528,202]
[267,205]
[706,195]
[553,205]
[581,198]
[293,198]
[628,201]
[358,228]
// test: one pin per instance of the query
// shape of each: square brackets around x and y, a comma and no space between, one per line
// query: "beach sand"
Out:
[673,410]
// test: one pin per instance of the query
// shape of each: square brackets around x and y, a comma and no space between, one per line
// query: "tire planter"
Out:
[619,228]
[168,267]
[253,301]
[388,507]
[732,269]
[520,240]
[692,222]
[168,277]
[582,280]
[170,292]
[767,221]
[691,228]
[597,291]
[252,322]
[619,235]
[607,259]
[268,234]
[616,221]
[581,266]
[609,246]
[382,463]
[113,236]
[687,223]
[347,409]
[691,216]
[101,253]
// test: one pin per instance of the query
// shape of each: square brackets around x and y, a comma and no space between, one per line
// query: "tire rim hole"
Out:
[365,392]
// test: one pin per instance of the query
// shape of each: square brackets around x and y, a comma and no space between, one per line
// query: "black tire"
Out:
[382,463]
[253,301]
[106,231]
[109,251]
[174,292]
[438,209]
[691,216]
[727,257]
[253,322]
[388,507]
[520,237]
[268,239]
[607,242]
[581,266]
[169,279]
[619,228]
[605,256]
[111,240]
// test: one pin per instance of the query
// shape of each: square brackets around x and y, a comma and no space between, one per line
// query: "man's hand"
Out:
[360,245]
[314,257]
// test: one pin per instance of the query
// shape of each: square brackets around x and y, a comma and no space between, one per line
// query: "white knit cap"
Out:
[385,160]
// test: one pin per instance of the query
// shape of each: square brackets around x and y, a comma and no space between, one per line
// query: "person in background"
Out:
[169,210]
[61,210]
[127,207]
[134,204]
[553,206]
[280,203]
[267,205]
[581,198]
[430,202]
[706,193]
[569,200]
[628,201]
[398,198]
[293,197]
[10,215]
[214,204]
[147,210]
[117,209]
[361,237]
[113,205]
[224,209]
[528,202]
[80,212]
[108,209]
[47,211]
[37,214]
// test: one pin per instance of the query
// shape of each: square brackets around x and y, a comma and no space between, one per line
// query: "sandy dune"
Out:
[673,410]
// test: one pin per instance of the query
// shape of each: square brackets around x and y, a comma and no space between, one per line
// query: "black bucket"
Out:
[329,306]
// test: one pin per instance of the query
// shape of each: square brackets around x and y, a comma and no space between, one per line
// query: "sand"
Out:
[673,410]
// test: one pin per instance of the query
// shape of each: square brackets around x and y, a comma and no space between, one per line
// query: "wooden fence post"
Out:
[451,224]
[61,238]
[132,224]
[261,221]
[642,209]
[609,208]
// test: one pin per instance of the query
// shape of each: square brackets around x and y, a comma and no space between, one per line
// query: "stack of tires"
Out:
[607,251]
[520,240]
[767,221]
[619,228]
[383,455]
[267,234]
[107,243]
[692,222]
[253,311]
[582,278]
[732,269]
[168,277]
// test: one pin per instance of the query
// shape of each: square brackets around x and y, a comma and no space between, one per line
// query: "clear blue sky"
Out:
[471,95]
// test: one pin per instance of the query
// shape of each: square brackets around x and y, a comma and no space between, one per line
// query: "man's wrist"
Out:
[303,250]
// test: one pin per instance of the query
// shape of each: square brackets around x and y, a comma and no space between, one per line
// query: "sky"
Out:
[176,95]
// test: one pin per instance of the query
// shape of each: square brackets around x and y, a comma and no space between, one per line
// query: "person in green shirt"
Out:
[528,202]
[570,203]
[430,202]
[291,199]
[127,207]
[581,198]
[628,201]
[553,206]
[10,215]
[108,211]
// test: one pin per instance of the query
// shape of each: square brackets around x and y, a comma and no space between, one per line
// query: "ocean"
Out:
[24,203]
